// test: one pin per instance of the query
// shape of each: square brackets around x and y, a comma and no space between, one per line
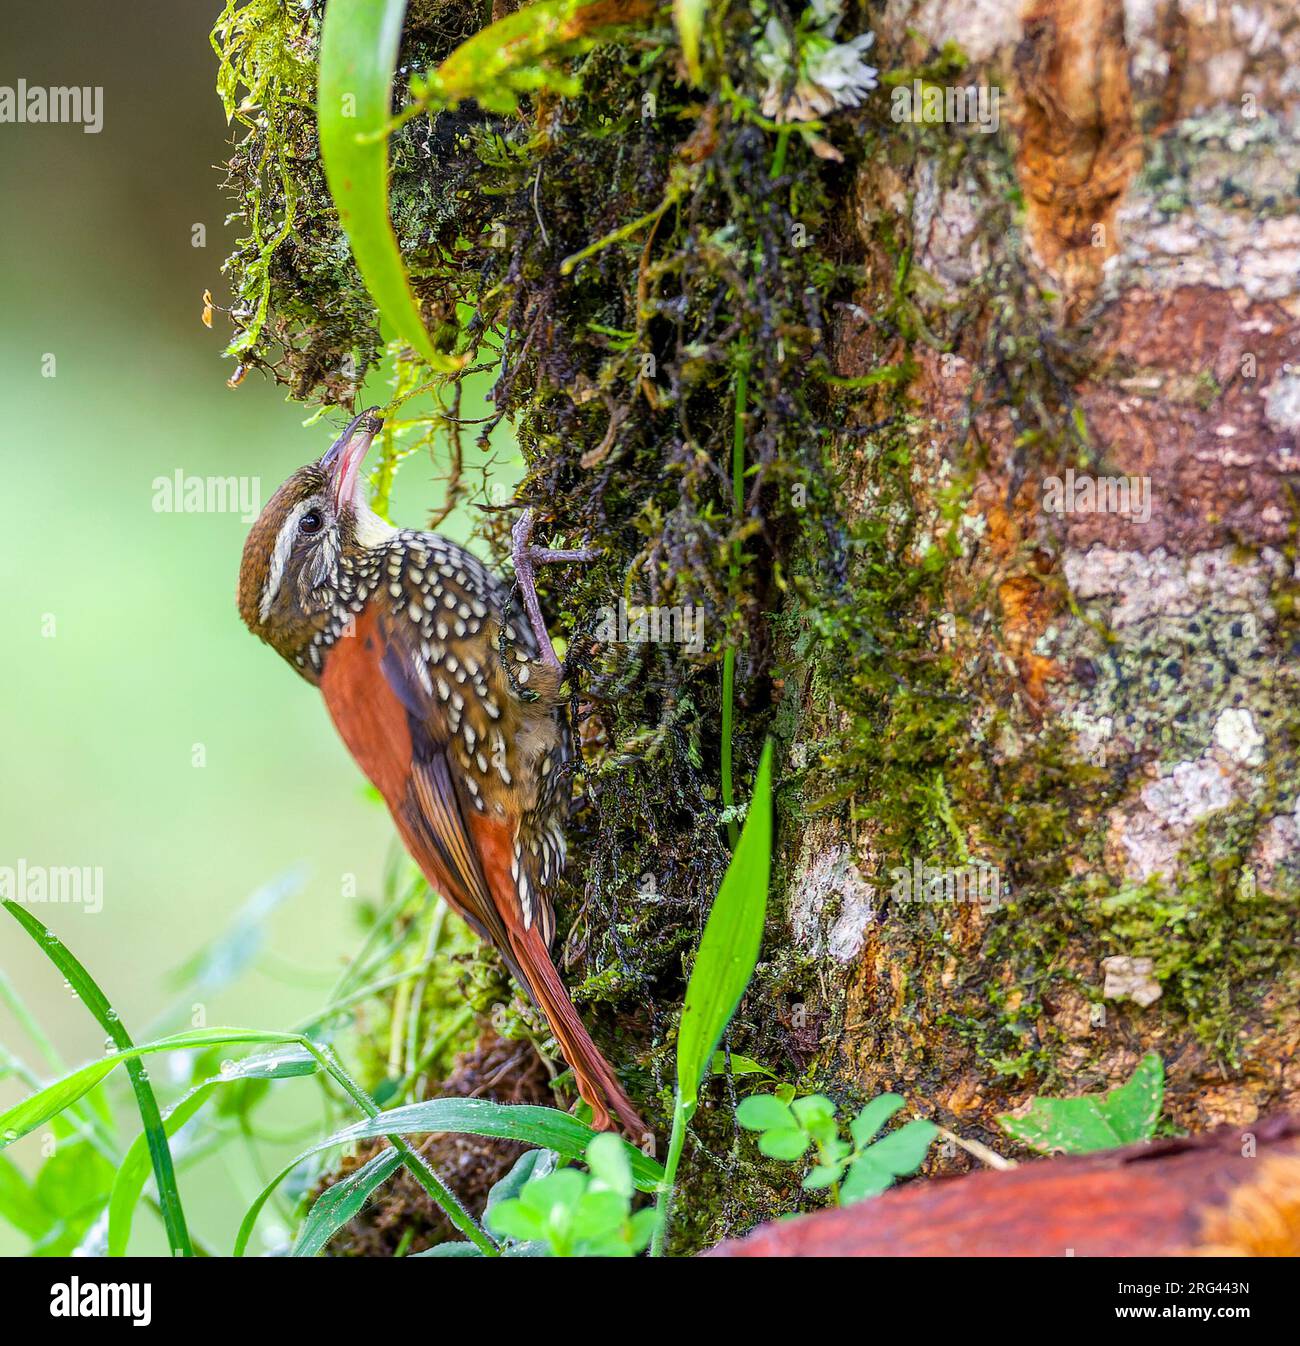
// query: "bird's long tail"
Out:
[597,1082]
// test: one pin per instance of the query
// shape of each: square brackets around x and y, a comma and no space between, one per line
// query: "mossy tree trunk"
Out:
[911,333]
[1107,289]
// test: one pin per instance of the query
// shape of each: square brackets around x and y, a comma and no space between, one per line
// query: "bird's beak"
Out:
[343,461]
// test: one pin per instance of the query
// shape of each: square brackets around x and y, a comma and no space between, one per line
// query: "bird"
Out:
[448,706]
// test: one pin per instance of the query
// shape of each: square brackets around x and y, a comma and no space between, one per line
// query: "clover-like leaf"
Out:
[903,1151]
[812,1109]
[641,1229]
[596,1215]
[512,1219]
[788,1144]
[867,1123]
[607,1160]
[894,1156]
[823,1175]
[833,1149]
[865,1178]
[763,1112]
[557,1191]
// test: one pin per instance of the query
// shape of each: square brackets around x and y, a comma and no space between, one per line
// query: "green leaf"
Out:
[740,1065]
[607,1160]
[1123,1115]
[688,15]
[450,1249]
[87,990]
[764,1112]
[54,1098]
[544,1127]
[898,1154]
[358,56]
[570,1213]
[284,1063]
[518,54]
[864,1126]
[72,1185]
[513,1219]
[559,1189]
[343,1200]
[134,1170]
[642,1229]
[597,1214]
[833,1148]
[531,1164]
[787,1145]
[903,1151]
[728,951]
[865,1179]
[822,1175]
[812,1109]
[73,1180]
[18,1203]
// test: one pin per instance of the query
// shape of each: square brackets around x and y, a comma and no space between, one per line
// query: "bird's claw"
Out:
[526,556]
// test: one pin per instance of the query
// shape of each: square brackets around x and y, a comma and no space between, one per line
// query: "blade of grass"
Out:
[546,1128]
[92,1118]
[134,1168]
[358,56]
[338,1204]
[418,1167]
[31,1112]
[729,654]
[54,1098]
[511,56]
[728,951]
[688,15]
[724,964]
[169,1198]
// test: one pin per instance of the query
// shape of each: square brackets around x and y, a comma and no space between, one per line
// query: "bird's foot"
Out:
[526,558]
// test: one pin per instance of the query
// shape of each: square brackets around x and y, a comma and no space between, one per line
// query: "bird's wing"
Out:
[385,699]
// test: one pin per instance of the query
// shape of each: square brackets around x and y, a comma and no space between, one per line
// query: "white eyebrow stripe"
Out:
[280,557]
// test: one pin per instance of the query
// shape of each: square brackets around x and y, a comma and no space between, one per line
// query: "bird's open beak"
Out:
[345,456]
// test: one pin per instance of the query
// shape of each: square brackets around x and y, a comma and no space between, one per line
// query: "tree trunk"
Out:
[1123,754]
[1012,579]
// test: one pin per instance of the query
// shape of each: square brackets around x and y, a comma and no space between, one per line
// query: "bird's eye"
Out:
[311,522]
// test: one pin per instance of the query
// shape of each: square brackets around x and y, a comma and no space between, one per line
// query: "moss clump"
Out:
[619,374]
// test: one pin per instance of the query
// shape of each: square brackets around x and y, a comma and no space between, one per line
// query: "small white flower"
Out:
[827,74]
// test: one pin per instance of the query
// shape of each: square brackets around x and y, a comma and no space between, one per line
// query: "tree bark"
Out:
[1125,750]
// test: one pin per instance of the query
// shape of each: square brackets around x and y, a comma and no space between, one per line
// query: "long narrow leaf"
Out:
[511,56]
[338,1204]
[134,1168]
[169,1197]
[546,1128]
[359,44]
[54,1098]
[19,1204]
[728,951]
[688,15]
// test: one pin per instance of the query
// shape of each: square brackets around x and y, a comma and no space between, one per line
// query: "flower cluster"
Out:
[809,73]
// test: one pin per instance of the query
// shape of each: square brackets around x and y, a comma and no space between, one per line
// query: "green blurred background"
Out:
[148,664]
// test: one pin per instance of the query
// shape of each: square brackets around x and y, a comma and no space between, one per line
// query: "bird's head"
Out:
[305,549]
